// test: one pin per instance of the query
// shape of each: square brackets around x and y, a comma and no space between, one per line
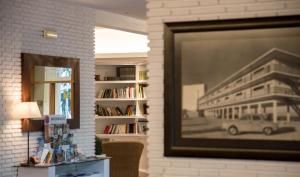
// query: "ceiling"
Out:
[131,8]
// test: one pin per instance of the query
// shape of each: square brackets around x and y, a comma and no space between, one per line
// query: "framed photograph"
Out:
[232,88]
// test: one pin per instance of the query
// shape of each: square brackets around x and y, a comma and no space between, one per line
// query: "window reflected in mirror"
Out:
[53,90]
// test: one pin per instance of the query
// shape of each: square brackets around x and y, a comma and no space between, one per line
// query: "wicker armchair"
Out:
[125,158]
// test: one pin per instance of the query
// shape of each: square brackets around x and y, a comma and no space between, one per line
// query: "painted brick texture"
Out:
[21,24]
[160,11]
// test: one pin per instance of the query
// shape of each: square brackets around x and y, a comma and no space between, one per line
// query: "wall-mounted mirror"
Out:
[53,82]
[52,90]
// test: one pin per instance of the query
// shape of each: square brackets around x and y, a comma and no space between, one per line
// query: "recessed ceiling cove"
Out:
[131,8]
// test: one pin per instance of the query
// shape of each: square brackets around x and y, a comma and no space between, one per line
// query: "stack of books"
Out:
[127,92]
[143,75]
[115,111]
[142,91]
[108,111]
[123,128]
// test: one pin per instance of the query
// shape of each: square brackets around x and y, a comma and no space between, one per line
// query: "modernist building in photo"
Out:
[269,84]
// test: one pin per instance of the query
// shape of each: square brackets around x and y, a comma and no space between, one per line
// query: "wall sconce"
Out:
[50,34]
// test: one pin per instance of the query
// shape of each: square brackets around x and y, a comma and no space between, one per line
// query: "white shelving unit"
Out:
[106,66]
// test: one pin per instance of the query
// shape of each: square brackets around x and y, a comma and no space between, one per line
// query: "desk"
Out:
[93,167]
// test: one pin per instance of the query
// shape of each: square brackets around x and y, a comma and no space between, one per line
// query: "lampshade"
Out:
[26,110]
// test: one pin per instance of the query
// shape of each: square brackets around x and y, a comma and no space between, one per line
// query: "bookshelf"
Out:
[120,91]
[106,66]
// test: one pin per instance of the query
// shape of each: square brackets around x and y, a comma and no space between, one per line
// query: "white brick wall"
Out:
[21,24]
[160,11]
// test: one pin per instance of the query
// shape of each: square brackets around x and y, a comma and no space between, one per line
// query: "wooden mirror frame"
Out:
[28,63]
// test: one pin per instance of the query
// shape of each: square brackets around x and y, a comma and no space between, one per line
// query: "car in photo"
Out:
[251,123]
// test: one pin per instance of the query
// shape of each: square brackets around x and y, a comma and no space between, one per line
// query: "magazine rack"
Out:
[91,167]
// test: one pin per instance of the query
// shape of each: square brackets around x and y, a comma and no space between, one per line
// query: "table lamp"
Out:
[27,110]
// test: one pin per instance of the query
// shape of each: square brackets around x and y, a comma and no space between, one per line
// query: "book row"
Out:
[127,92]
[142,91]
[143,75]
[115,111]
[136,128]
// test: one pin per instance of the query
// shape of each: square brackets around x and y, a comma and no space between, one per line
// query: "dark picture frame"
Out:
[28,62]
[177,145]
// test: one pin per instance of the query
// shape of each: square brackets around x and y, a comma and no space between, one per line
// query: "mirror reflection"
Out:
[53,90]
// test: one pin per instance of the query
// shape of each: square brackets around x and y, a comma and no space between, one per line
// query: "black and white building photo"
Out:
[245,98]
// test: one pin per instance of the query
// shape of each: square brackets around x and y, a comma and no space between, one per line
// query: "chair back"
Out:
[125,158]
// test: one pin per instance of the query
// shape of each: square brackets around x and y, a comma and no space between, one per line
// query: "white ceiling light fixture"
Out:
[116,41]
